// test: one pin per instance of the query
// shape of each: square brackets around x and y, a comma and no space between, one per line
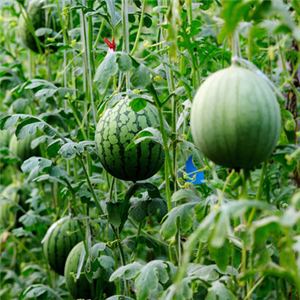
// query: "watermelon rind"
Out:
[115,130]
[60,239]
[235,118]
[79,288]
[22,148]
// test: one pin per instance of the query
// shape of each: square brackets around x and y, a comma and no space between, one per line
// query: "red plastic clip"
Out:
[111,45]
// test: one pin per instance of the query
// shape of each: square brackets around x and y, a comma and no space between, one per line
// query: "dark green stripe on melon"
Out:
[60,242]
[116,130]
[79,288]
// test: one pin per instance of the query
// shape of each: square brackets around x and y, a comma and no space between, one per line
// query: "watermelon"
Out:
[37,16]
[22,148]
[235,118]
[116,130]
[61,237]
[79,288]
[7,218]
[5,136]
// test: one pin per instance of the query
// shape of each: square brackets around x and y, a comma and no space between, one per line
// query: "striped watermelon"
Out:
[79,288]
[61,237]
[37,18]
[115,130]
[22,148]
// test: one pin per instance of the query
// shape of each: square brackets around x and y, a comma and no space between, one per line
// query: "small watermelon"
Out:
[235,118]
[79,288]
[61,237]
[22,148]
[116,130]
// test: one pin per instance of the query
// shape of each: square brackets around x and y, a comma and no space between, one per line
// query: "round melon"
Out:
[79,288]
[235,118]
[116,130]
[37,18]
[59,242]
[22,148]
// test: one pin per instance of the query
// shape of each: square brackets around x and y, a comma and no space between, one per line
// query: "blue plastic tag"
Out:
[190,170]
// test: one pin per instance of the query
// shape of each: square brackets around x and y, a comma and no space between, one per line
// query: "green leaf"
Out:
[220,230]
[205,273]
[6,3]
[185,194]
[43,30]
[45,93]
[111,7]
[31,218]
[129,271]
[184,213]
[124,62]
[138,210]
[141,77]
[157,207]
[150,275]
[218,291]
[96,250]
[137,104]
[221,255]
[36,290]
[119,297]
[70,150]
[296,6]
[105,71]
[233,12]
[148,133]
[53,148]
[50,178]
[116,212]
[106,262]
[35,165]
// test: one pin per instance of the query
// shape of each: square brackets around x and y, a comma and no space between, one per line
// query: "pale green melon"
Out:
[235,118]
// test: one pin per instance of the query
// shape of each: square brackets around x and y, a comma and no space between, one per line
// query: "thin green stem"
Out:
[224,188]
[168,162]
[259,191]
[254,287]
[126,36]
[139,29]
[97,202]
[62,24]
[99,33]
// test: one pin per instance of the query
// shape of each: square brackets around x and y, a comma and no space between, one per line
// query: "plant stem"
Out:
[140,28]
[97,202]
[254,287]
[259,192]
[126,37]
[168,162]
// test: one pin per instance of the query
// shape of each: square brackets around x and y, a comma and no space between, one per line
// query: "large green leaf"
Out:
[184,213]
[105,71]
[218,291]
